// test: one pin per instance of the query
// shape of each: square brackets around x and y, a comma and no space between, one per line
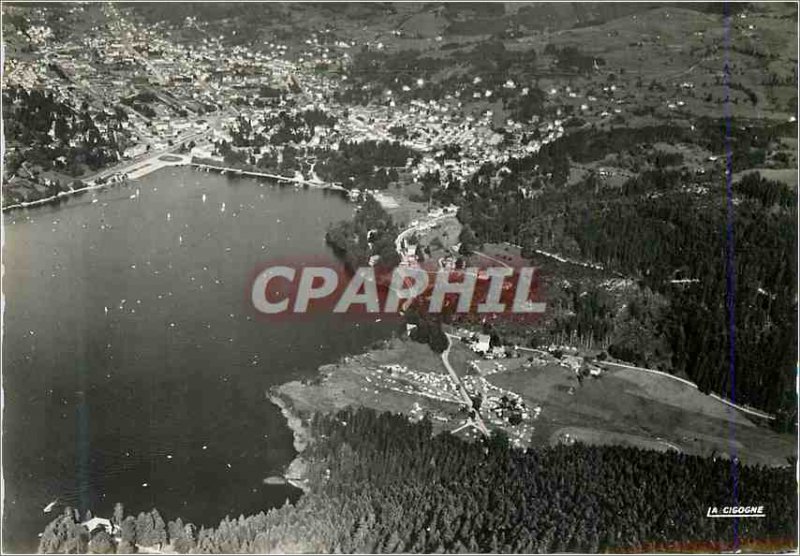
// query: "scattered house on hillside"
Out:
[480,343]
[497,352]
[572,362]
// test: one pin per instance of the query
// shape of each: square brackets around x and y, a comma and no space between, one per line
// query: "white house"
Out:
[481,344]
[99,523]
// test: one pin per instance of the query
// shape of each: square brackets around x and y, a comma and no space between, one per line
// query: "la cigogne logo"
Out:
[736,511]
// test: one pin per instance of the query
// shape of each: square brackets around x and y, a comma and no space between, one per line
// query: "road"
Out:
[420,226]
[152,161]
[239,171]
[498,261]
[145,158]
[464,394]
[520,348]
[215,121]
[125,166]
[688,383]
[741,408]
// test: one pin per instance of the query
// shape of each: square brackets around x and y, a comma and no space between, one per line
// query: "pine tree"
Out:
[144,529]
[119,515]
[159,533]
[101,543]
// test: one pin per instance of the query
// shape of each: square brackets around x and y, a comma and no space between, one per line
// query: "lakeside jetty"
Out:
[277,177]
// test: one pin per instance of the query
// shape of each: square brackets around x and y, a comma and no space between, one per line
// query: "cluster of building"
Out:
[407,244]
[503,408]
[482,345]
[114,63]
[570,358]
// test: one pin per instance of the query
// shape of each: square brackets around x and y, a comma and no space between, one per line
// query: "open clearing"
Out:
[645,409]
[602,438]
[622,406]
[368,380]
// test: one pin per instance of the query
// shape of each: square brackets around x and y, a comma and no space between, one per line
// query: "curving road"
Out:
[741,408]
[445,355]
[420,226]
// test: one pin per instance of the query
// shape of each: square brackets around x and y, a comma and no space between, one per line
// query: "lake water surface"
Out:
[135,368]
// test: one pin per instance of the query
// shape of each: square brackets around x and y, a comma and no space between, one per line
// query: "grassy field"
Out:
[785,175]
[588,435]
[631,407]
[622,406]
[500,253]
[441,239]
[407,210]
[460,357]
[665,66]
[365,380]
[672,45]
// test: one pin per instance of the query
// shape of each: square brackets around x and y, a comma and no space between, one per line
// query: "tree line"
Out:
[364,164]
[379,483]
[661,230]
[56,135]
[371,232]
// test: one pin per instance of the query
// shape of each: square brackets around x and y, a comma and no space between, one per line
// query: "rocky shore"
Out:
[295,473]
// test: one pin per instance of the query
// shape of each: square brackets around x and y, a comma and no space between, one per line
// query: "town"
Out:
[456,277]
[147,90]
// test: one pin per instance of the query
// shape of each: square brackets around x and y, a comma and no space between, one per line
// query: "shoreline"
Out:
[54,198]
[369,380]
[298,182]
[140,170]
[296,471]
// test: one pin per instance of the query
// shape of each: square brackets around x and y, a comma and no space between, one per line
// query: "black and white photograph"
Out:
[399,277]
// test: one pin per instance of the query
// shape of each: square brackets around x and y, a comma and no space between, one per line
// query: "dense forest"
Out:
[55,135]
[279,128]
[671,237]
[284,142]
[370,233]
[382,484]
[364,164]
[665,228]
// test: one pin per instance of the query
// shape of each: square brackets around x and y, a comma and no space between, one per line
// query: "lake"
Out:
[134,366]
